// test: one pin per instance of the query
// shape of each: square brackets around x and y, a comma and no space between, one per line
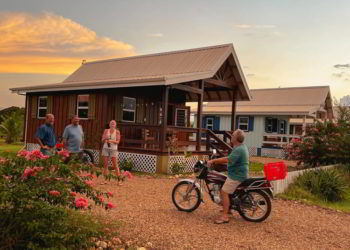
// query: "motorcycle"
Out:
[251,199]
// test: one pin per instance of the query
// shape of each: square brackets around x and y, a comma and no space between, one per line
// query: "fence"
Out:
[280,186]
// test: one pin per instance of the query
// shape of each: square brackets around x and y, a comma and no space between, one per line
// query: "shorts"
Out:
[109,152]
[230,185]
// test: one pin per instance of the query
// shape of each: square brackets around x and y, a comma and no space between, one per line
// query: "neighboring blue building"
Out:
[273,116]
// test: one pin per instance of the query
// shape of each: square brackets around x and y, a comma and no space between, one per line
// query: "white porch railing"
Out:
[278,139]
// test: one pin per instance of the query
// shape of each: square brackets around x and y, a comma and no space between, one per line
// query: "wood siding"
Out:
[108,106]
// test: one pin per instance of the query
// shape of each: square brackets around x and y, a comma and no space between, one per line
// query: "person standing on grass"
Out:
[238,161]
[111,139]
[45,135]
[73,137]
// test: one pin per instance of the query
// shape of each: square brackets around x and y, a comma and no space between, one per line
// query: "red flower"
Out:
[64,153]
[54,193]
[109,194]
[110,205]
[73,193]
[38,169]
[101,198]
[89,183]
[59,145]
[81,203]
[128,174]
[28,172]
[23,153]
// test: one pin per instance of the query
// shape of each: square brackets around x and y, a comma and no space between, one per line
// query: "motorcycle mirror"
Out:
[214,151]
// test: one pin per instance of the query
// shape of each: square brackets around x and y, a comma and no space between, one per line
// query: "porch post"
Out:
[304,125]
[165,100]
[233,112]
[199,115]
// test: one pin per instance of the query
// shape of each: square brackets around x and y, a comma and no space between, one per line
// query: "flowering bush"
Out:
[323,144]
[35,193]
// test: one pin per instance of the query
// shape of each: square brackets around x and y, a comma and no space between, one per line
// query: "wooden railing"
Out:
[139,136]
[214,142]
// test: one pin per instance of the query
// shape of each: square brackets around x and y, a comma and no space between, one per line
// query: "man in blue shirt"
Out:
[237,165]
[45,135]
[73,136]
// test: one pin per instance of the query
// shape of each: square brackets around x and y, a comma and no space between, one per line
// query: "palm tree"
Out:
[12,126]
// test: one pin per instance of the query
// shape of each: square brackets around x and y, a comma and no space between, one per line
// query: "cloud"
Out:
[254,26]
[155,35]
[342,66]
[47,43]
[250,75]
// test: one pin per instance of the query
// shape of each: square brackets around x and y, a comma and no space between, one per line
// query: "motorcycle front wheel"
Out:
[186,196]
[255,206]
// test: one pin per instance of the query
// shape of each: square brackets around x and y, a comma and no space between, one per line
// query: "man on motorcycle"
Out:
[238,161]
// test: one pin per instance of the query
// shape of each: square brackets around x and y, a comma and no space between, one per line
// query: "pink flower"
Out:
[23,153]
[64,153]
[28,172]
[89,183]
[58,178]
[54,193]
[81,203]
[73,194]
[2,160]
[7,177]
[101,198]
[38,169]
[110,205]
[128,174]
[109,194]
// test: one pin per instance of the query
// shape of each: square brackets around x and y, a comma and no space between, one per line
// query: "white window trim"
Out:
[212,123]
[185,110]
[243,123]
[81,118]
[128,110]
[39,108]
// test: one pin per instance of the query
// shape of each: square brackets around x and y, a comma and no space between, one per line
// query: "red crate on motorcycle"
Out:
[275,171]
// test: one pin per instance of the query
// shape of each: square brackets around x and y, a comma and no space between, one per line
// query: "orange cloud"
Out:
[47,43]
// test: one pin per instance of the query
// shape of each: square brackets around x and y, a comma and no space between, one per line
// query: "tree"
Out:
[345,100]
[12,126]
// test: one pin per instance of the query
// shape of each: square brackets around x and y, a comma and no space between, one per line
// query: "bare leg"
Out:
[116,167]
[105,164]
[225,201]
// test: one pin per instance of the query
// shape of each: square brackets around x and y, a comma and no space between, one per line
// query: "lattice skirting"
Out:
[273,152]
[188,162]
[141,162]
[253,151]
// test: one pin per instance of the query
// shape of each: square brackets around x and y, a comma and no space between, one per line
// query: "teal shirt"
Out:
[238,163]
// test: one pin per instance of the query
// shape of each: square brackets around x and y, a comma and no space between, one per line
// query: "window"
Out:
[210,123]
[83,106]
[243,123]
[181,117]
[42,106]
[129,109]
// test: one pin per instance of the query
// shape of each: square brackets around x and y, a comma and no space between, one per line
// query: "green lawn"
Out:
[15,147]
[297,193]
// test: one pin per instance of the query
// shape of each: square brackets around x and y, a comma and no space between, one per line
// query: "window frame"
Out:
[243,123]
[83,107]
[41,108]
[128,110]
[212,124]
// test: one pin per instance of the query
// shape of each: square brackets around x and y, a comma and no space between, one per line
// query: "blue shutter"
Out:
[217,123]
[237,119]
[204,122]
[251,123]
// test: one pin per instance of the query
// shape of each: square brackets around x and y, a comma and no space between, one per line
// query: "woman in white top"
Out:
[111,138]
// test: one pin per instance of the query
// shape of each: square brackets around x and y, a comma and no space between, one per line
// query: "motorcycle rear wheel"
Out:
[255,206]
[185,193]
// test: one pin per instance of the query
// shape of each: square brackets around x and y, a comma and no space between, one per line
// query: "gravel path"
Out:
[144,206]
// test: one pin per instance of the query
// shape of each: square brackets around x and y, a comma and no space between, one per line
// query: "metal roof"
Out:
[277,101]
[147,70]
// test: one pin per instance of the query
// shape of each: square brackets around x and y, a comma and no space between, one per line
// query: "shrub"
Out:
[177,168]
[126,165]
[329,185]
[37,195]
[323,144]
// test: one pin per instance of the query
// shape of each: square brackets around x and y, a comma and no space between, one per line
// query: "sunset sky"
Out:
[280,43]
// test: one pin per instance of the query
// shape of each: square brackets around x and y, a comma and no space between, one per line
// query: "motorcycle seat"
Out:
[249,181]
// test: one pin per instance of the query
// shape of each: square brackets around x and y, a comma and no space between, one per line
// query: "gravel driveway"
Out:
[144,206]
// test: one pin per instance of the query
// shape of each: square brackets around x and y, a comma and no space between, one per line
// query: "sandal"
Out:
[221,221]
